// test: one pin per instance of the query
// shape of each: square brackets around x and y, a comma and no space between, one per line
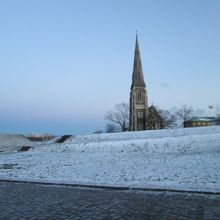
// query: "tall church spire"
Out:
[138,95]
[137,76]
[140,116]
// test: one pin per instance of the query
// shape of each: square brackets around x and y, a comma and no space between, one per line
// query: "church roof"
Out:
[137,76]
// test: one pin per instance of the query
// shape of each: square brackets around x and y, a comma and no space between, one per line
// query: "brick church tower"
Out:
[138,95]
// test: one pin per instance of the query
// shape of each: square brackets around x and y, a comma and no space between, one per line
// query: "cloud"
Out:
[165,85]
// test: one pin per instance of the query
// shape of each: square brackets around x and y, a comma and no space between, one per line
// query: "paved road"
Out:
[31,201]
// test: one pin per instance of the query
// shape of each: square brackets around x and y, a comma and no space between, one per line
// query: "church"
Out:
[141,117]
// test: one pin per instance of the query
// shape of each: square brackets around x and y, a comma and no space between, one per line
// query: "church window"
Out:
[138,95]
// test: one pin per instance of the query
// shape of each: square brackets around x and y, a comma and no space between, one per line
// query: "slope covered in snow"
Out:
[145,134]
[175,159]
[158,141]
[11,142]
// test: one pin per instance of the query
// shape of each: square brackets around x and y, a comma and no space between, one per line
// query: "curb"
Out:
[105,187]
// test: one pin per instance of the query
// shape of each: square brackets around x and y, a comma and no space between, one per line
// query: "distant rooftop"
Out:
[203,119]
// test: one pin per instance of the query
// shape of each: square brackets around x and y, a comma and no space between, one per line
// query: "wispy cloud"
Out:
[165,85]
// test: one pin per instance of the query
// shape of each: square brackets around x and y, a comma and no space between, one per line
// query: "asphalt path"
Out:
[37,201]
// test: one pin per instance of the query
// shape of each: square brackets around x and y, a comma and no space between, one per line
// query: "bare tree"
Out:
[199,113]
[110,128]
[120,116]
[185,113]
[169,120]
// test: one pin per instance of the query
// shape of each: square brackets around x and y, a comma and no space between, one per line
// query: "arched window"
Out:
[138,95]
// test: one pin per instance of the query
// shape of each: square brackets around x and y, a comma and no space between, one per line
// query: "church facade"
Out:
[141,117]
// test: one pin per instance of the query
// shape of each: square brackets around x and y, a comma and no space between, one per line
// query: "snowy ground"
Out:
[12,142]
[173,159]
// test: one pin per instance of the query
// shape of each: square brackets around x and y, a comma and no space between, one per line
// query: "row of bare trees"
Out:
[118,119]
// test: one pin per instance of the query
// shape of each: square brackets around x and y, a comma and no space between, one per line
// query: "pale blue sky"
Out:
[64,64]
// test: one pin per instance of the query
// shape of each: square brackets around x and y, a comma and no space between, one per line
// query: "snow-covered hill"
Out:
[174,159]
[145,134]
[11,142]
[204,139]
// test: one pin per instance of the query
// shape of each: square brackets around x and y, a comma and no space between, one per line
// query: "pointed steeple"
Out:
[137,76]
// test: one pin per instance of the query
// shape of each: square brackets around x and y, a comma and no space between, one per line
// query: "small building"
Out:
[201,121]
